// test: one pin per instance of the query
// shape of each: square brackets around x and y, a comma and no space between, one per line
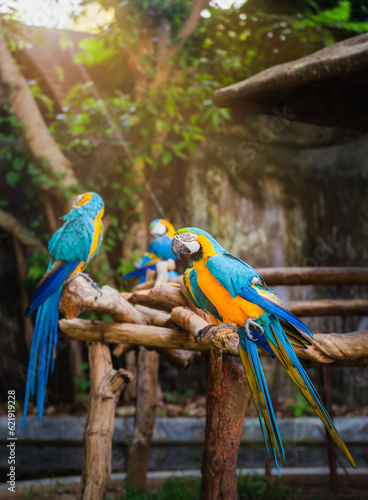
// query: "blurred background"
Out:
[125,91]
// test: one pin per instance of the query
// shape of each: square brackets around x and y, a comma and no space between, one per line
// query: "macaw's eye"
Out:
[82,199]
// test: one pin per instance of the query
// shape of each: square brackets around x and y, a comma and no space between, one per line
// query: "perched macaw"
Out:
[161,232]
[232,292]
[71,248]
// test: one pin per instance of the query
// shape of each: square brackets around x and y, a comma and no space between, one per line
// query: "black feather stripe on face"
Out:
[197,255]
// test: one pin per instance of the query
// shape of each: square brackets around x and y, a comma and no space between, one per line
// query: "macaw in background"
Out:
[71,248]
[161,232]
[232,292]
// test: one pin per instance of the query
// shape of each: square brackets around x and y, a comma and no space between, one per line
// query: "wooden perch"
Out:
[144,418]
[122,349]
[152,282]
[147,394]
[156,317]
[162,297]
[176,357]
[106,387]
[80,297]
[126,333]
[348,349]
[162,269]
[227,399]
[325,307]
[179,358]
[293,276]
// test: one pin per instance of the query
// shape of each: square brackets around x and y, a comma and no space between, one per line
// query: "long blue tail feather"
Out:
[261,397]
[42,351]
[44,340]
[286,355]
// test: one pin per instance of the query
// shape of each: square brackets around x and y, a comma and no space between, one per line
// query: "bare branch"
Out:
[12,226]
[192,21]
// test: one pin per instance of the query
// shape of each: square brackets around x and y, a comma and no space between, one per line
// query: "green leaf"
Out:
[12,178]
[167,157]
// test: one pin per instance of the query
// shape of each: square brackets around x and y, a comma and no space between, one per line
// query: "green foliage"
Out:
[29,493]
[301,407]
[173,489]
[339,17]
[41,97]
[250,487]
[253,487]
[151,124]
[83,383]
[176,398]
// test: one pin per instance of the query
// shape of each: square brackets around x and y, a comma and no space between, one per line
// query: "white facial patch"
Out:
[77,200]
[158,229]
[193,246]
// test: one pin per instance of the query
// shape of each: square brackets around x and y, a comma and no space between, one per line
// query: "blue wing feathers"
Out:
[250,293]
[52,284]
[139,272]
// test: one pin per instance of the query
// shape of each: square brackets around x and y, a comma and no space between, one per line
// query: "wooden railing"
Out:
[162,321]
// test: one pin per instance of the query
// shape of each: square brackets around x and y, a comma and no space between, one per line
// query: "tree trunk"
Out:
[35,132]
[227,398]
[106,387]
[135,241]
[144,418]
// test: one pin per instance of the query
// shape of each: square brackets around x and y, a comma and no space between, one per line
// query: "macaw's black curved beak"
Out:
[179,248]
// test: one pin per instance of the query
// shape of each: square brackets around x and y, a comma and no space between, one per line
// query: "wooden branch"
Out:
[304,308]
[348,349]
[13,226]
[162,269]
[80,297]
[162,297]
[106,387]
[35,132]
[227,399]
[150,283]
[144,418]
[193,19]
[163,43]
[165,63]
[326,307]
[122,349]
[156,317]
[293,276]
[177,357]
[128,333]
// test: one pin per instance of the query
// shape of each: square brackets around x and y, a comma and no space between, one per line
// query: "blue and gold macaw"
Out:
[232,292]
[161,232]
[71,248]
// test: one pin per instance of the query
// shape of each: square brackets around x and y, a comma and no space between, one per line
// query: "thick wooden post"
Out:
[144,418]
[106,387]
[227,398]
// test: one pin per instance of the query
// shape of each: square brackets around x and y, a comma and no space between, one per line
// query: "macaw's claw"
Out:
[251,323]
[202,333]
[88,278]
